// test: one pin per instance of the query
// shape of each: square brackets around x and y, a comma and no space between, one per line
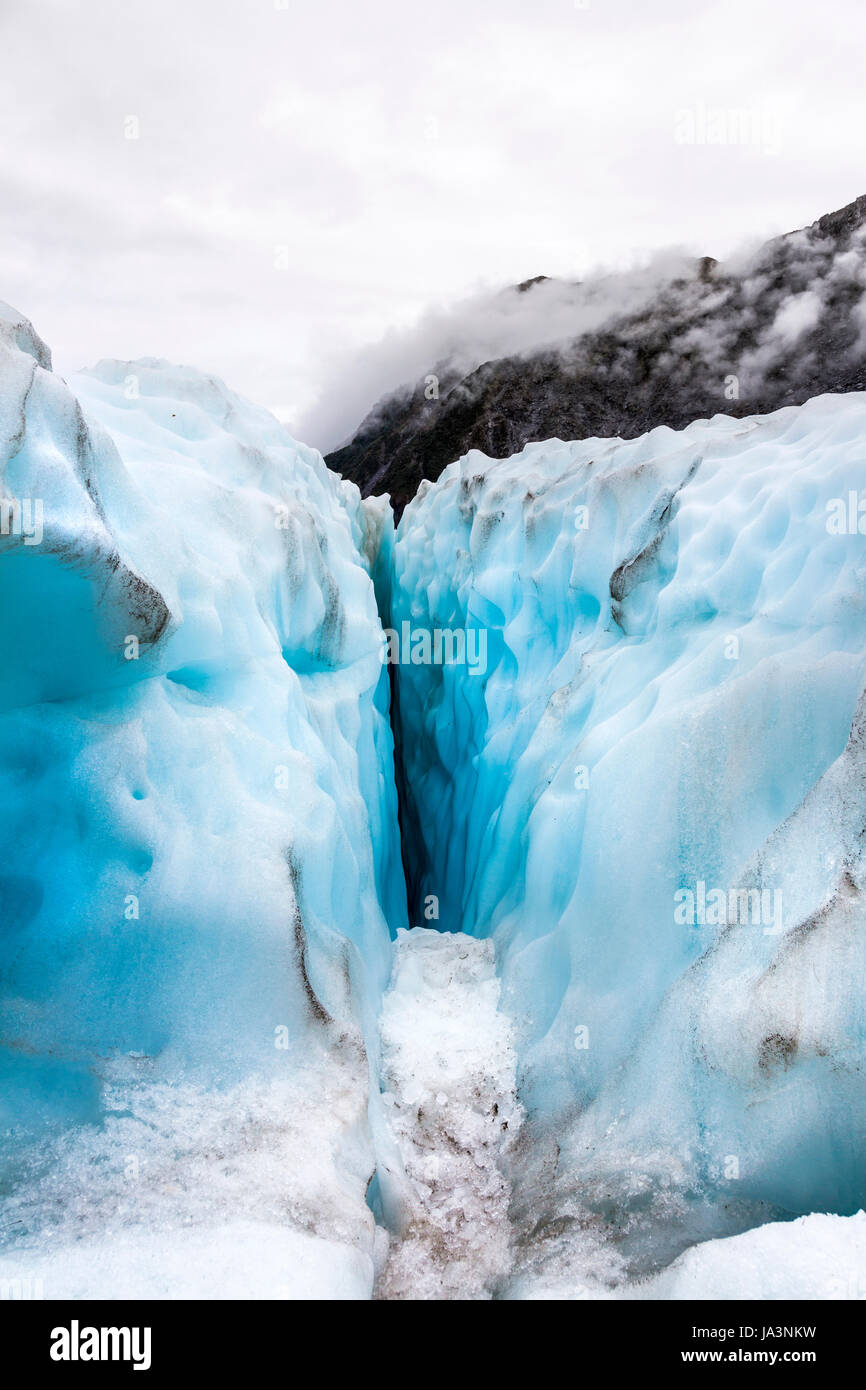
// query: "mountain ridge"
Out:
[739,338]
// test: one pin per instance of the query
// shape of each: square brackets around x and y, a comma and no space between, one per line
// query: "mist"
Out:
[703,313]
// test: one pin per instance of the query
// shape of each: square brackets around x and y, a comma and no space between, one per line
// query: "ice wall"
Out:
[198,819]
[669,714]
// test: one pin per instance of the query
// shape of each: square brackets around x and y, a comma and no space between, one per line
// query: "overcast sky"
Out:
[311,173]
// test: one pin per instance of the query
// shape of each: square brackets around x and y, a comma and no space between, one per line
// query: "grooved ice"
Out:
[200,847]
[676,630]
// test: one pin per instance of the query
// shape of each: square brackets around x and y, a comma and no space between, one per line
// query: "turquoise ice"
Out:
[653,802]
[642,793]
[201,869]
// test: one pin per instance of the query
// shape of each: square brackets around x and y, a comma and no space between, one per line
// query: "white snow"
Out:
[190,1192]
[814,1257]
[242,1259]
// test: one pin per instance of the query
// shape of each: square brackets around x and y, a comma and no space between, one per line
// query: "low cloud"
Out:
[515,321]
[744,316]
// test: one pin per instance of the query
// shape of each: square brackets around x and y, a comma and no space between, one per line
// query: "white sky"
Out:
[400,155]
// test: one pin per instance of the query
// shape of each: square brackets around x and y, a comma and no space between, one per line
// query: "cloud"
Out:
[747,317]
[796,315]
[478,329]
[399,156]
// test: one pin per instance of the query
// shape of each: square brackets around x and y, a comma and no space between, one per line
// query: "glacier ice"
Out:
[671,716]
[201,862]
[631,1022]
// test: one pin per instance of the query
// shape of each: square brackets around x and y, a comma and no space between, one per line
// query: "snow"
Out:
[242,1259]
[448,1064]
[815,1257]
[174,1166]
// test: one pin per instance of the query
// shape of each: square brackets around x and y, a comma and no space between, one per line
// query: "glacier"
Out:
[201,865]
[620,1052]
[672,712]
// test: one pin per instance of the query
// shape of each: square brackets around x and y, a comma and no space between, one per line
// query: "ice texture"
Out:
[201,864]
[676,648]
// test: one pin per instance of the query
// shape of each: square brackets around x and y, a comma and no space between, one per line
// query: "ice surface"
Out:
[197,807]
[242,1259]
[252,1192]
[675,632]
[815,1257]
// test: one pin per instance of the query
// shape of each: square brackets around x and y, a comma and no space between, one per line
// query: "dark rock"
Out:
[667,364]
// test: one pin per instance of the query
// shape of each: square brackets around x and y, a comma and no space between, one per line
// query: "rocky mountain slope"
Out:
[773,328]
